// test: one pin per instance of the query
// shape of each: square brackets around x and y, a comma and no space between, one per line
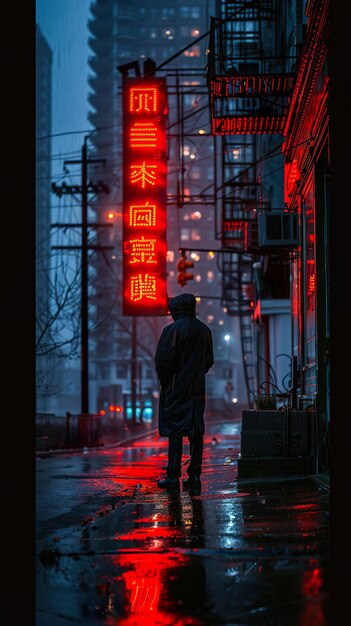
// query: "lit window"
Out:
[210,255]
[186,150]
[195,234]
[196,215]
[186,217]
[185,234]
[170,256]
[168,33]
[195,32]
[195,256]
[153,33]
[198,278]
[221,322]
[210,319]
[194,51]
[186,194]
[210,276]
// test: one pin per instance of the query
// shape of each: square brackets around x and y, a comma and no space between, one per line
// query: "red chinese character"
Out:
[142,251]
[146,174]
[143,135]
[143,100]
[142,215]
[142,286]
[311,284]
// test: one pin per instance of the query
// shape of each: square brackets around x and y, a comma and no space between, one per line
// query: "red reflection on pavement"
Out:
[145,581]
[311,588]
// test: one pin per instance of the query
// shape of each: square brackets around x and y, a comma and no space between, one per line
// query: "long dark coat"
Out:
[183,356]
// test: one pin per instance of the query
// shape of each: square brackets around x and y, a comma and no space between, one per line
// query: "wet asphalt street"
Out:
[112,548]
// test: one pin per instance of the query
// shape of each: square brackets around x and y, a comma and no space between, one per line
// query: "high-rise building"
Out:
[125,34]
[43,217]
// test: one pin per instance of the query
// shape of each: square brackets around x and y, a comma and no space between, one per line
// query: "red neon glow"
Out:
[311,284]
[111,407]
[291,175]
[142,215]
[145,173]
[144,193]
[102,412]
[146,577]
[143,135]
[142,286]
[143,100]
[142,251]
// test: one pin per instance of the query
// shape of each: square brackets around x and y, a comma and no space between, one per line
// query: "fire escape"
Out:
[249,89]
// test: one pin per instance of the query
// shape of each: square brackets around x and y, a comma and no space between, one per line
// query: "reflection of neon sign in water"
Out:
[314,612]
[145,584]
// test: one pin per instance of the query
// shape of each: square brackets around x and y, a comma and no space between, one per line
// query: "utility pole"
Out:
[134,370]
[84,189]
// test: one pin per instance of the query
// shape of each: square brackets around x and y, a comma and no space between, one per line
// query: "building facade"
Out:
[43,218]
[307,176]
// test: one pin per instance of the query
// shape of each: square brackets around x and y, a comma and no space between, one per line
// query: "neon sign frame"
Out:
[144,196]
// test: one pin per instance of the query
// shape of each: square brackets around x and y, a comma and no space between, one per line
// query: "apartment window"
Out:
[168,33]
[194,51]
[195,234]
[185,31]
[104,371]
[184,234]
[195,175]
[210,277]
[121,371]
[153,33]
[187,12]
[167,13]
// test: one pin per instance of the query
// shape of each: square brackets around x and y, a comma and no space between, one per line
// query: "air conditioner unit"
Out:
[277,229]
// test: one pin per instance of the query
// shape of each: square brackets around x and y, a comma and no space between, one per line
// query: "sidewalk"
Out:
[114,548]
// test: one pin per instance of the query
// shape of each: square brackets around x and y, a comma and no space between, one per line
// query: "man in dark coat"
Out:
[183,356]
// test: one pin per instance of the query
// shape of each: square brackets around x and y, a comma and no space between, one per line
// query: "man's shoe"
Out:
[192,481]
[168,482]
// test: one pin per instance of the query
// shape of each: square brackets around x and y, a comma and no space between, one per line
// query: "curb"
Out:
[47,453]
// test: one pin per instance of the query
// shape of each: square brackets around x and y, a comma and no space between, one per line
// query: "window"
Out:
[196,175]
[104,371]
[121,371]
[194,51]
[187,12]
[168,33]
[185,31]
[167,13]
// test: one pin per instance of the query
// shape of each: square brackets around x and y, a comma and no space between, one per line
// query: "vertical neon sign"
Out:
[144,196]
